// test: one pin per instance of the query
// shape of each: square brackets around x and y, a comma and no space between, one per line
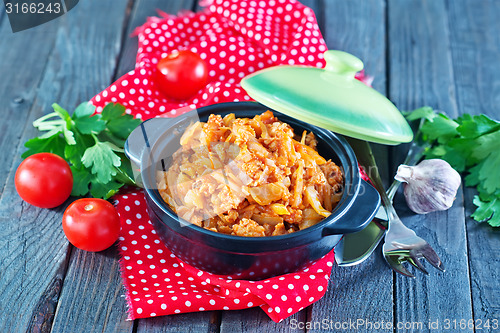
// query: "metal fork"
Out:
[401,243]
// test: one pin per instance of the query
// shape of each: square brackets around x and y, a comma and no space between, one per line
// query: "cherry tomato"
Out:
[44,180]
[181,75]
[91,224]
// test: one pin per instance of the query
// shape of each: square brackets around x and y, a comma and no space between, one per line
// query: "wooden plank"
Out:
[82,63]
[475,48]
[255,320]
[351,29]
[189,322]
[363,291]
[18,86]
[92,298]
[30,259]
[2,13]
[195,322]
[484,265]
[421,74]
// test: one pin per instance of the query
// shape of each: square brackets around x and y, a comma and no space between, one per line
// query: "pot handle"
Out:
[143,136]
[362,210]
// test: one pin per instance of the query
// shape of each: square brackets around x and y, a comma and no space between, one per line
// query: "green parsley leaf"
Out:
[104,190]
[448,153]
[470,144]
[425,112]
[107,136]
[64,115]
[85,120]
[474,126]
[441,128]
[117,121]
[91,143]
[487,211]
[103,161]
[73,153]
[84,110]
[485,145]
[488,169]
[464,147]
[81,181]
[88,125]
[112,111]
[69,136]
[54,144]
[123,125]
[472,179]
[61,124]
[125,173]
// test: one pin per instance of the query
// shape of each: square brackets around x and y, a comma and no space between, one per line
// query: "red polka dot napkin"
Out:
[235,38]
[158,283]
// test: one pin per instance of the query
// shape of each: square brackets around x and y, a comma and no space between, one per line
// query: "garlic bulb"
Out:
[429,186]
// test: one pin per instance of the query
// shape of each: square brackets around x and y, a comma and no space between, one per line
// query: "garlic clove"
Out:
[430,186]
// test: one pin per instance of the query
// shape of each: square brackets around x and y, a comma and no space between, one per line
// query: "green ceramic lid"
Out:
[330,98]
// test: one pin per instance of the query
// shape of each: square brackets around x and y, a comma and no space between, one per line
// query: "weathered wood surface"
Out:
[421,74]
[441,53]
[208,321]
[30,246]
[475,50]
[34,250]
[362,291]
[90,276]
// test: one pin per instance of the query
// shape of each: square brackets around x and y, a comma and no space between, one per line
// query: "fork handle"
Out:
[365,158]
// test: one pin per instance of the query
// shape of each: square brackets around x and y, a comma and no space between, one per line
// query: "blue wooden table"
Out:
[442,53]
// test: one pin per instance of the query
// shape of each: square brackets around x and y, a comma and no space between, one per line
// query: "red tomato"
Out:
[91,224]
[181,75]
[44,180]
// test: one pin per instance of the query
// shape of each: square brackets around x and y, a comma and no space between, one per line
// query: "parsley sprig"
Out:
[471,144]
[91,143]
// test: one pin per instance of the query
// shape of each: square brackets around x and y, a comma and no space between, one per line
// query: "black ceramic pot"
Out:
[247,257]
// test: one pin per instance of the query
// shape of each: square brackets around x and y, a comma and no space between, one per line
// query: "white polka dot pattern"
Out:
[157,282]
[235,38]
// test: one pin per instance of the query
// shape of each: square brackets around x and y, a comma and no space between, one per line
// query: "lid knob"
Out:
[342,63]
[330,98]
